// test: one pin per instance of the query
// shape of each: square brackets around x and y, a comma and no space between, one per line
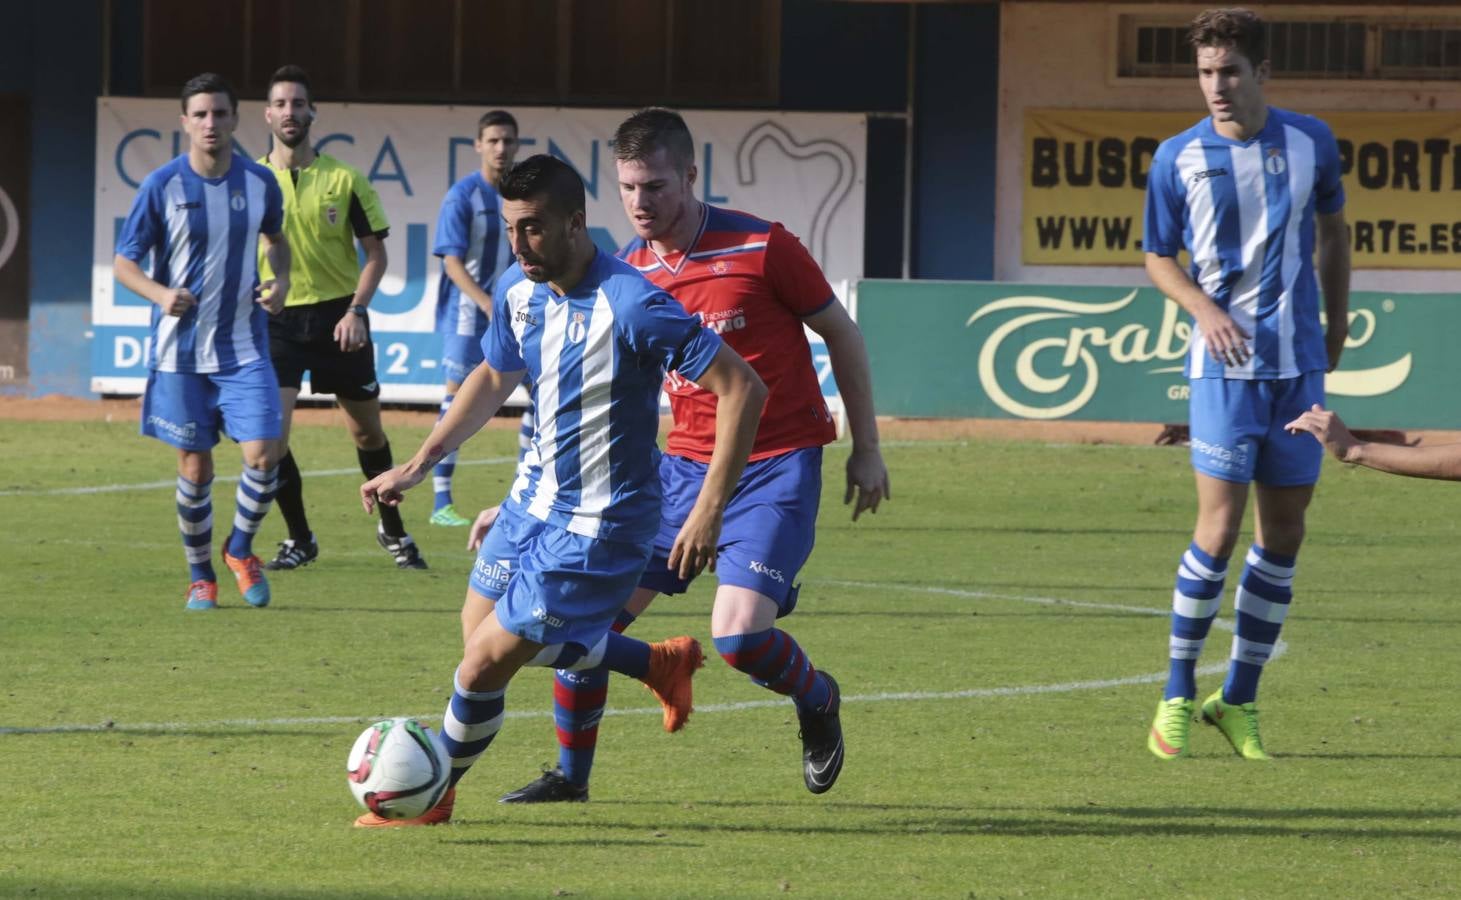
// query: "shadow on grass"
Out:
[1039,823]
[1246,812]
[558,842]
[1368,755]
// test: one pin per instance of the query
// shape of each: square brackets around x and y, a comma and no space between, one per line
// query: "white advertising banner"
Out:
[805,170]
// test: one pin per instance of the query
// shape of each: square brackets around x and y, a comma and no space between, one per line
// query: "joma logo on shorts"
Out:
[542,615]
[761,568]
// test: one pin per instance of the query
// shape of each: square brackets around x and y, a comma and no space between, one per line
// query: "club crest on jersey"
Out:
[236,201]
[720,267]
[1275,164]
[577,328]
[332,214]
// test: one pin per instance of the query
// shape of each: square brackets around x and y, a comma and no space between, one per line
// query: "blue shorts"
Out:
[1237,430]
[553,586]
[189,410]
[460,354]
[769,527]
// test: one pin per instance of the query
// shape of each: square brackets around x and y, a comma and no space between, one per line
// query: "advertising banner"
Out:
[1085,184]
[805,170]
[981,350]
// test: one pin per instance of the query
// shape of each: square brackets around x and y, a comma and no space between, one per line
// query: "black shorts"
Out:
[302,339]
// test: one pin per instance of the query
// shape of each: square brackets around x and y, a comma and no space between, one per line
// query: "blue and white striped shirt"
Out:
[203,234]
[596,359]
[469,227]
[1245,210]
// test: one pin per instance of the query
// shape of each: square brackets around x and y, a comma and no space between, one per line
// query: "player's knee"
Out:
[263,458]
[196,466]
[1284,538]
[482,671]
[1217,539]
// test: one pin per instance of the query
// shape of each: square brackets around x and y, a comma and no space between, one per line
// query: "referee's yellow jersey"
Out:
[327,205]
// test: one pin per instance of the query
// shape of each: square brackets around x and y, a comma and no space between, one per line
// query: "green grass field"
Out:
[998,631]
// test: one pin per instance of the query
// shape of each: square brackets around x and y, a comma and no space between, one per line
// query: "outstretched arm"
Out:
[867,475]
[481,395]
[740,395]
[1442,461]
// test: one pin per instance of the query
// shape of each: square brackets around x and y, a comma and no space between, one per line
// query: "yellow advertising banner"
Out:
[1086,170]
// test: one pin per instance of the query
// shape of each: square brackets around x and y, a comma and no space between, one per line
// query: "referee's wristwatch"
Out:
[358,310]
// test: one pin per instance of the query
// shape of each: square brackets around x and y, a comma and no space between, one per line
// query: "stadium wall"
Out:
[1063,56]
[851,57]
[49,56]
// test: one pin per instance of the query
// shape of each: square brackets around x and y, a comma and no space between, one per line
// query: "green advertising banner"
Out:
[982,350]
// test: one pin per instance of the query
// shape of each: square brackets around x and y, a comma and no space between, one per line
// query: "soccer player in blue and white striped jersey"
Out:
[474,252]
[578,525]
[1250,192]
[201,217]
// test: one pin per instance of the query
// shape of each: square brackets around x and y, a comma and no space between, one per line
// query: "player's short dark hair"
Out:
[496,117]
[1234,27]
[293,74]
[651,129]
[209,83]
[546,177]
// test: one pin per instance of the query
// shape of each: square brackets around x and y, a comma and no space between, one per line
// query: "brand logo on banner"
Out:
[804,170]
[1064,369]
[1086,174]
[1117,353]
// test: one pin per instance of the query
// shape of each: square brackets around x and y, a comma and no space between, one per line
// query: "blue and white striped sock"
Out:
[441,476]
[1264,594]
[1195,603]
[195,521]
[472,720]
[255,494]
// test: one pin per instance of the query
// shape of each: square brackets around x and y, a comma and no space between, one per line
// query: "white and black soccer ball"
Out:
[397,769]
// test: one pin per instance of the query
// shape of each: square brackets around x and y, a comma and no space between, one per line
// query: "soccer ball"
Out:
[397,769]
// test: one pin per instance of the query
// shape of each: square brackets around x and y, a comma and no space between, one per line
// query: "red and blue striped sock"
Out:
[578,705]
[774,660]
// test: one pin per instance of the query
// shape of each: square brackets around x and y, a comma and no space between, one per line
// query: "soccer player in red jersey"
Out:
[755,284]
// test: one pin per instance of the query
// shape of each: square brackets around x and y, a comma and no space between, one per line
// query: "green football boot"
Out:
[1168,737]
[1238,722]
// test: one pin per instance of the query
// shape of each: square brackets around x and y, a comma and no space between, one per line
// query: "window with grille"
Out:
[1344,49]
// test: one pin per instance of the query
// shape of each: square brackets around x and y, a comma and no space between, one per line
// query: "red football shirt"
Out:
[752,282]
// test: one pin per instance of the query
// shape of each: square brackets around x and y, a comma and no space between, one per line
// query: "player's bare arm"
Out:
[351,332]
[456,270]
[1331,240]
[481,395]
[173,301]
[1442,461]
[867,475]
[740,396]
[1226,342]
[272,293]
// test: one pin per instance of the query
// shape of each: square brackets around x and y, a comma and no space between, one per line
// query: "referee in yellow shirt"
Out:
[324,328]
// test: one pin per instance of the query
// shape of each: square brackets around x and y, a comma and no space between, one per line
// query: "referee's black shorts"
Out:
[302,339]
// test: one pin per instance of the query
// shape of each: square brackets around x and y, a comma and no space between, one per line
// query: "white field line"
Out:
[715,708]
[221,479]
